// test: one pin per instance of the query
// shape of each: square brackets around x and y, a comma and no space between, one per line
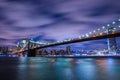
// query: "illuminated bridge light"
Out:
[113,22]
[105,31]
[90,32]
[103,27]
[118,19]
[87,35]
[98,29]
[94,31]
[58,41]
[82,35]
[114,28]
[119,26]
[79,37]
[64,40]
[108,24]
[101,33]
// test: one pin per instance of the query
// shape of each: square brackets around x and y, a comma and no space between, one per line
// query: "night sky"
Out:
[53,20]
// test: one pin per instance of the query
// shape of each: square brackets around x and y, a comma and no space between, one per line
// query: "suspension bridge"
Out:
[109,31]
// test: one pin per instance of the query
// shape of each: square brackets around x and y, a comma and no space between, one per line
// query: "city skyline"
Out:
[50,21]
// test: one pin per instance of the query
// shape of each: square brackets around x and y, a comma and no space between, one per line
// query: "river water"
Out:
[40,68]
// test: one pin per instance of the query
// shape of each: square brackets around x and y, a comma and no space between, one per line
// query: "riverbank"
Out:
[81,56]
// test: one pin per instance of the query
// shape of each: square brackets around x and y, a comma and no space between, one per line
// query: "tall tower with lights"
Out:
[112,45]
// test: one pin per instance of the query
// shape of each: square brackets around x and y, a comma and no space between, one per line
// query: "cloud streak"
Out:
[54,20]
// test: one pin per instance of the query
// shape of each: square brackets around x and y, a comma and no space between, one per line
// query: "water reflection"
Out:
[40,68]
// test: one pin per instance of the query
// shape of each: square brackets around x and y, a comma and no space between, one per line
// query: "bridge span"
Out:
[104,36]
[82,40]
[106,32]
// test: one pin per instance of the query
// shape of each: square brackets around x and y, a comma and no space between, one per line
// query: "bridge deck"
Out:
[78,40]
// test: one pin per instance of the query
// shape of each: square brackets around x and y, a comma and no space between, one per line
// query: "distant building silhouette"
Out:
[68,50]
[4,49]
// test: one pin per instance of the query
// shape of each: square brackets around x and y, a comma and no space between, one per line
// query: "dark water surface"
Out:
[39,68]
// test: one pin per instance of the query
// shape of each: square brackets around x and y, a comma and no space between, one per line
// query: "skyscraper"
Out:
[68,50]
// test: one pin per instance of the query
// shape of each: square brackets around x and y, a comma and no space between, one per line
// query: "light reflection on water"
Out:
[40,68]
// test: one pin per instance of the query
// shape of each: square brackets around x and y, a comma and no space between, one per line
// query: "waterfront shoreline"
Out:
[81,56]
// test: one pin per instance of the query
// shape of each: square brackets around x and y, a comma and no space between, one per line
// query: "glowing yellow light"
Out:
[101,34]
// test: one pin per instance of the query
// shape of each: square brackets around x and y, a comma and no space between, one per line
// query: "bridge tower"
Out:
[112,45]
[31,52]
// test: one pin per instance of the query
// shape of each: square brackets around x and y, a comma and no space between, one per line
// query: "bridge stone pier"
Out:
[31,52]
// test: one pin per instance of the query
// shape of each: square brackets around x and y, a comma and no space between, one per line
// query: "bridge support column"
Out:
[31,53]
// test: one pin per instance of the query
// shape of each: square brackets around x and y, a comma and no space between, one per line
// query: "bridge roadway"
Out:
[78,40]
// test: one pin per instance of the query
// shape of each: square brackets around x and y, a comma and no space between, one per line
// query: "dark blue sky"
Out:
[54,20]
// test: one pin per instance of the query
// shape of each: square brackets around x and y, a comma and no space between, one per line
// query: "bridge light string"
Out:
[113,22]
[86,35]
[101,33]
[108,25]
